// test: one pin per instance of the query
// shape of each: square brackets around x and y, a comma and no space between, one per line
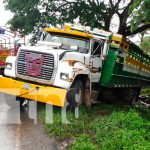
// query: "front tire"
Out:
[75,94]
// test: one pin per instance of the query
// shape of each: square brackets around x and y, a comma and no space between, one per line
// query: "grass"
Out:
[103,127]
[145,91]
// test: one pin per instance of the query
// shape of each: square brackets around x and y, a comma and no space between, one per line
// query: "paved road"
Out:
[19,132]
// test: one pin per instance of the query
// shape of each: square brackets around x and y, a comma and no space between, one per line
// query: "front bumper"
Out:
[41,93]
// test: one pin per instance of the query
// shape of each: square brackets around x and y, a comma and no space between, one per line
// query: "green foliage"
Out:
[83,143]
[31,15]
[26,15]
[140,13]
[145,91]
[103,127]
[145,45]
[124,131]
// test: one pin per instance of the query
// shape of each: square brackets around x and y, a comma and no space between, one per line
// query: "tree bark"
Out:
[138,30]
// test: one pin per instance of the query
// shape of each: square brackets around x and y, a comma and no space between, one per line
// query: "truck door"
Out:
[96,61]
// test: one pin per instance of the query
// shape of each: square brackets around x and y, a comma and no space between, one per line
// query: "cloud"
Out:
[4,15]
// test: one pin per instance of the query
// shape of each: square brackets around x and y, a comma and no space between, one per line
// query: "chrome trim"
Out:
[48,82]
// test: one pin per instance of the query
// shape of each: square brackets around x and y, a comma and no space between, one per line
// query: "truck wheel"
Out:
[109,95]
[130,95]
[75,95]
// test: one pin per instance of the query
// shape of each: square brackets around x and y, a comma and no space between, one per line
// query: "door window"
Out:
[97,48]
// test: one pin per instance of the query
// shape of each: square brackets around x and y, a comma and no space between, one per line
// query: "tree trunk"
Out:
[107,24]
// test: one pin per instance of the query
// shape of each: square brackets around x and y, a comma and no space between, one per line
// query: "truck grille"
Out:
[35,65]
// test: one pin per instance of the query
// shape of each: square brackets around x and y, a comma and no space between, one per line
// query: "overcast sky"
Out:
[4,15]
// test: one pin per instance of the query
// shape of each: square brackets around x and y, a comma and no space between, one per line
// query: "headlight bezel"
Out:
[64,76]
[8,65]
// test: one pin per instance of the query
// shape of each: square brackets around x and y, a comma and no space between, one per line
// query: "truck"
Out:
[3,54]
[77,65]
[8,47]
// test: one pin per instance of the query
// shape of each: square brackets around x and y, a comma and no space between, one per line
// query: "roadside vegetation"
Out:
[104,127]
[145,91]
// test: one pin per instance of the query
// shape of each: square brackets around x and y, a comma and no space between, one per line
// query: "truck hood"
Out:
[43,49]
[54,49]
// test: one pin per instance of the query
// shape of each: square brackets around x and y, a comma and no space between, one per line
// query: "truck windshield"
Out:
[67,41]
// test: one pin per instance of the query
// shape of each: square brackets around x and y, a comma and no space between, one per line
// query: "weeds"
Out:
[103,127]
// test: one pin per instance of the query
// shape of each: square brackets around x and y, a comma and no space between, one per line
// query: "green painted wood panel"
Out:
[113,73]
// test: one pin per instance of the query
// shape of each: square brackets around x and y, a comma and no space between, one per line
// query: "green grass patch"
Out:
[145,91]
[103,127]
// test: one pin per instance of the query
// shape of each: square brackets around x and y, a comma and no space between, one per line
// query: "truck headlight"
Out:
[8,66]
[64,76]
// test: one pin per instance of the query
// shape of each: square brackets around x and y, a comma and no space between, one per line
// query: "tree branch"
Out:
[127,7]
[115,7]
[138,30]
[64,4]
[118,2]
[98,3]
[90,2]
[111,3]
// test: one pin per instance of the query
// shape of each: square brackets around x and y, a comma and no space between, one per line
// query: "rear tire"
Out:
[130,95]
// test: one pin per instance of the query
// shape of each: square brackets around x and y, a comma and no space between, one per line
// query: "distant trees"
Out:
[30,15]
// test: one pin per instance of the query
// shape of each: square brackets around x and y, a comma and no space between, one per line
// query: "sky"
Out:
[4,15]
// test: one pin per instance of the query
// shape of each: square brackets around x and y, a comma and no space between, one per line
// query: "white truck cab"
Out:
[63,58]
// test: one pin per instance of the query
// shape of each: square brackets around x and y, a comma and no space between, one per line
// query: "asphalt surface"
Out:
[19,132]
